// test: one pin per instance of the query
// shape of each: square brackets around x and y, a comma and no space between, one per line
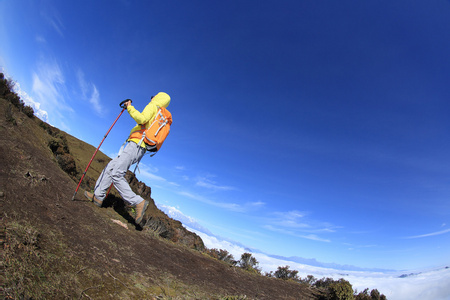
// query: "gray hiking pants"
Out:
[115,171]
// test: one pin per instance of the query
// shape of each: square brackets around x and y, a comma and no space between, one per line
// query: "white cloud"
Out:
[51,15]
[226,205]
[292,224]
[90,92]
[49,86]
[256,204]
[213,242]
[235,207]
[290,219]
[148,167]
[176,214]
[354,247]
[433,284]
[95,99]
[144,172]
[82,82]
[192,196]
[173,211]
[296,224]
[429,234]
[40,39]
[148,172]
[308,236]
[206,182]
[294,214]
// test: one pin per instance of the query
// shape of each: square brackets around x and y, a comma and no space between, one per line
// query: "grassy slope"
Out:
[57,248]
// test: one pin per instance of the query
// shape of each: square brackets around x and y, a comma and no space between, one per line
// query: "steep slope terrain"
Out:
[55,248]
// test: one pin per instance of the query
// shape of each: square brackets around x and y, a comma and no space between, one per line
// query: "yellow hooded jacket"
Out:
[148,114]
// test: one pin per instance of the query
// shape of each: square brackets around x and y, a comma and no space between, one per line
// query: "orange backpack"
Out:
[156,133]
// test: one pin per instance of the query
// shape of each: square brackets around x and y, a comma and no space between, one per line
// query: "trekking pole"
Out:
[122,105]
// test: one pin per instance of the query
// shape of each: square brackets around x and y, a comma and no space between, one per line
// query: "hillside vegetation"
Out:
[55,248]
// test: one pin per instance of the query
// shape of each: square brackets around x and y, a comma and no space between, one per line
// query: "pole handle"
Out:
[123,102]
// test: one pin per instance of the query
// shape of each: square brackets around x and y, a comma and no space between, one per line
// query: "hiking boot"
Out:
[94,199]
[140,211]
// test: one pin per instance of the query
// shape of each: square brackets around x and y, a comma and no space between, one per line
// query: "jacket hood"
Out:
[161,99]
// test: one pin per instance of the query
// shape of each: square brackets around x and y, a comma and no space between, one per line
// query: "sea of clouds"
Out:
[421,285]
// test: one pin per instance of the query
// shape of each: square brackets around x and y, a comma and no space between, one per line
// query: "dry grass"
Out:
[31,272]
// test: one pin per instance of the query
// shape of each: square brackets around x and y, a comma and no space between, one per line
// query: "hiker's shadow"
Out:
[121,208]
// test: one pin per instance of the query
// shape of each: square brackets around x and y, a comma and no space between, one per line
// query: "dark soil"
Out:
[92,256]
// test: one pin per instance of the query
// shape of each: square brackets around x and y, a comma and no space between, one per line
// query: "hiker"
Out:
[134,150]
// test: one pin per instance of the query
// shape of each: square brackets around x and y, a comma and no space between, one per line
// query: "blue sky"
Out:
[316,129]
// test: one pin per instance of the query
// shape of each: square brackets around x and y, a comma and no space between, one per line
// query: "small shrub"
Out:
[364,295]
[6,86]
[9,115]
[341,290]
[44,125]
[67,163]
[54,132]
[310,280]
[373,295]
[249,263]
[15,100]
[28,111]
[323,283]
[222,255]
[56,147]
[285,273]
[65,160]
